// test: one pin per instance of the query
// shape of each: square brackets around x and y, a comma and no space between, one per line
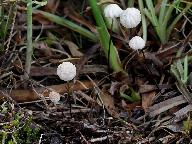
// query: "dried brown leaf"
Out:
[148,88]
[73,48]
[108,101]
[147,99]
[43,48]
[114,87]
[70,12]
[165,105]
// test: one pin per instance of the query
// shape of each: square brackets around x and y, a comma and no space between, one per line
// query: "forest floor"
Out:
[149,102]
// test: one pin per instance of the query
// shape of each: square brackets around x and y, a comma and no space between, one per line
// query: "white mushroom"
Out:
[66,71]
[54,97]
[137,43]
[112,11]
[130,17]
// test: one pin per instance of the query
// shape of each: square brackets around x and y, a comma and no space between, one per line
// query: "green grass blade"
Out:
[114,58]
[162,11]
[64,22]
[168,15]
[144,23]
[152,11]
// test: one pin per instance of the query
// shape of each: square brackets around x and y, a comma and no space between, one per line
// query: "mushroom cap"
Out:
[130,17]
[66,71]
[137,43]
[112,11]
[54,97]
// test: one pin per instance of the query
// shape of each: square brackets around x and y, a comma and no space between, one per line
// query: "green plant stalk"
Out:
[148,14]
[64,22]
[161,25]
[158,26]
[104,37]
[129,98]
[159,29]
[164,33]
[144,23]
[130,3]
[162,11]
[167,15]
[152,11]
[133,98]
[180,70]
[114,60]
[162,30]
[175,72]
[97,14]
[29,51]
[179,67]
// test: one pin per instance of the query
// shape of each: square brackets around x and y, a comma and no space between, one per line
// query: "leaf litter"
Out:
[103,107]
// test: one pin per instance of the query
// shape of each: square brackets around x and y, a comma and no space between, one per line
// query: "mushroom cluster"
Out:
[129,18]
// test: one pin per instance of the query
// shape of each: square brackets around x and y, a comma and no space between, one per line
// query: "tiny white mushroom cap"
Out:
[112,11]
[130,17]
[66,71]
[54,97]
[137,43]
[30,112]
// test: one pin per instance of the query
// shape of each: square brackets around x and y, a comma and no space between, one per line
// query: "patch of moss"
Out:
[17,126]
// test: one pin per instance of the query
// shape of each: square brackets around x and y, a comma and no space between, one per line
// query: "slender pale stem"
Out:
[109,50]
[29,51]
[69,91]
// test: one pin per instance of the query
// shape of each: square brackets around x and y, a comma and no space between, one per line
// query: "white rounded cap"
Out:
[54,97]
[66,71]
[112,11]
[137,43]
[130,17]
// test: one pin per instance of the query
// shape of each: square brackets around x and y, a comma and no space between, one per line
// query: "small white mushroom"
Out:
[54,97]
[130,17]
[137,43]
[66,71]
[112,11]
